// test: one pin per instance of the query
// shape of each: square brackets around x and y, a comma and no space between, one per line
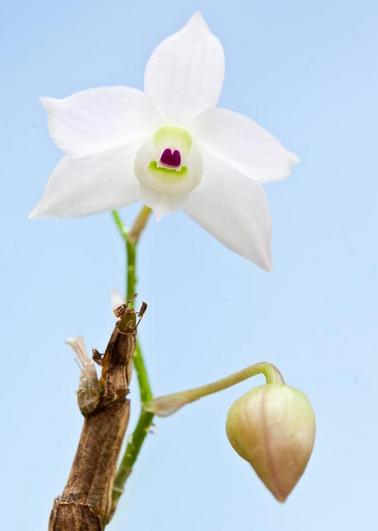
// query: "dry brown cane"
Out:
[85,504]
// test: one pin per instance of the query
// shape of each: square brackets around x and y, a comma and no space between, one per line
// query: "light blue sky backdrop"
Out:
[307,71]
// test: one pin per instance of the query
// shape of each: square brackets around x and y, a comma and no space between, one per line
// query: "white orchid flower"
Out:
[168,146]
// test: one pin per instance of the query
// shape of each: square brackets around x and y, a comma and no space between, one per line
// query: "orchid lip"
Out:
[171,158]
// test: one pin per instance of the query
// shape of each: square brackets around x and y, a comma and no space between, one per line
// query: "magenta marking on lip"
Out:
[171,159]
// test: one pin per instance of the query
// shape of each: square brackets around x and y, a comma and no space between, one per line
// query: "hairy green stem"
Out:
[169,404]
[135,442]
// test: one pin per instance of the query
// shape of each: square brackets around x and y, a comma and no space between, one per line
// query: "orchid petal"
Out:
[79,187]
[184,75]
[234,209]
[243,144]
[96,120]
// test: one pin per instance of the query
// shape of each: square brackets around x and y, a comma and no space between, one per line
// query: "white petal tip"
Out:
[34,214]
[265,263]
[38,212]
[45,101]
[198,20]
[294,159]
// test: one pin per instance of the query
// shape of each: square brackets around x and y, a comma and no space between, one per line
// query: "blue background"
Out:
[306,71]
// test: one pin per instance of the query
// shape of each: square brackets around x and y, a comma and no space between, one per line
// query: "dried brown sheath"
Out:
[86,499]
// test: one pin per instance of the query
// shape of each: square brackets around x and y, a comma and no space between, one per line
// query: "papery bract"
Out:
[88,394]
[168,146]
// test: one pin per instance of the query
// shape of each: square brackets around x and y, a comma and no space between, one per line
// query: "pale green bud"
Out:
[273,428]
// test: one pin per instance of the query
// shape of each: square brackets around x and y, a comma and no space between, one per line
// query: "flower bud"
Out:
[273,428]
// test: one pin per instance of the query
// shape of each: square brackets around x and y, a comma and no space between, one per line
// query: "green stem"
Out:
[131,238]
[139,224]
[140,369]
[135,442]
[118,221]
[132,451]
[169,404]
[131,270]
